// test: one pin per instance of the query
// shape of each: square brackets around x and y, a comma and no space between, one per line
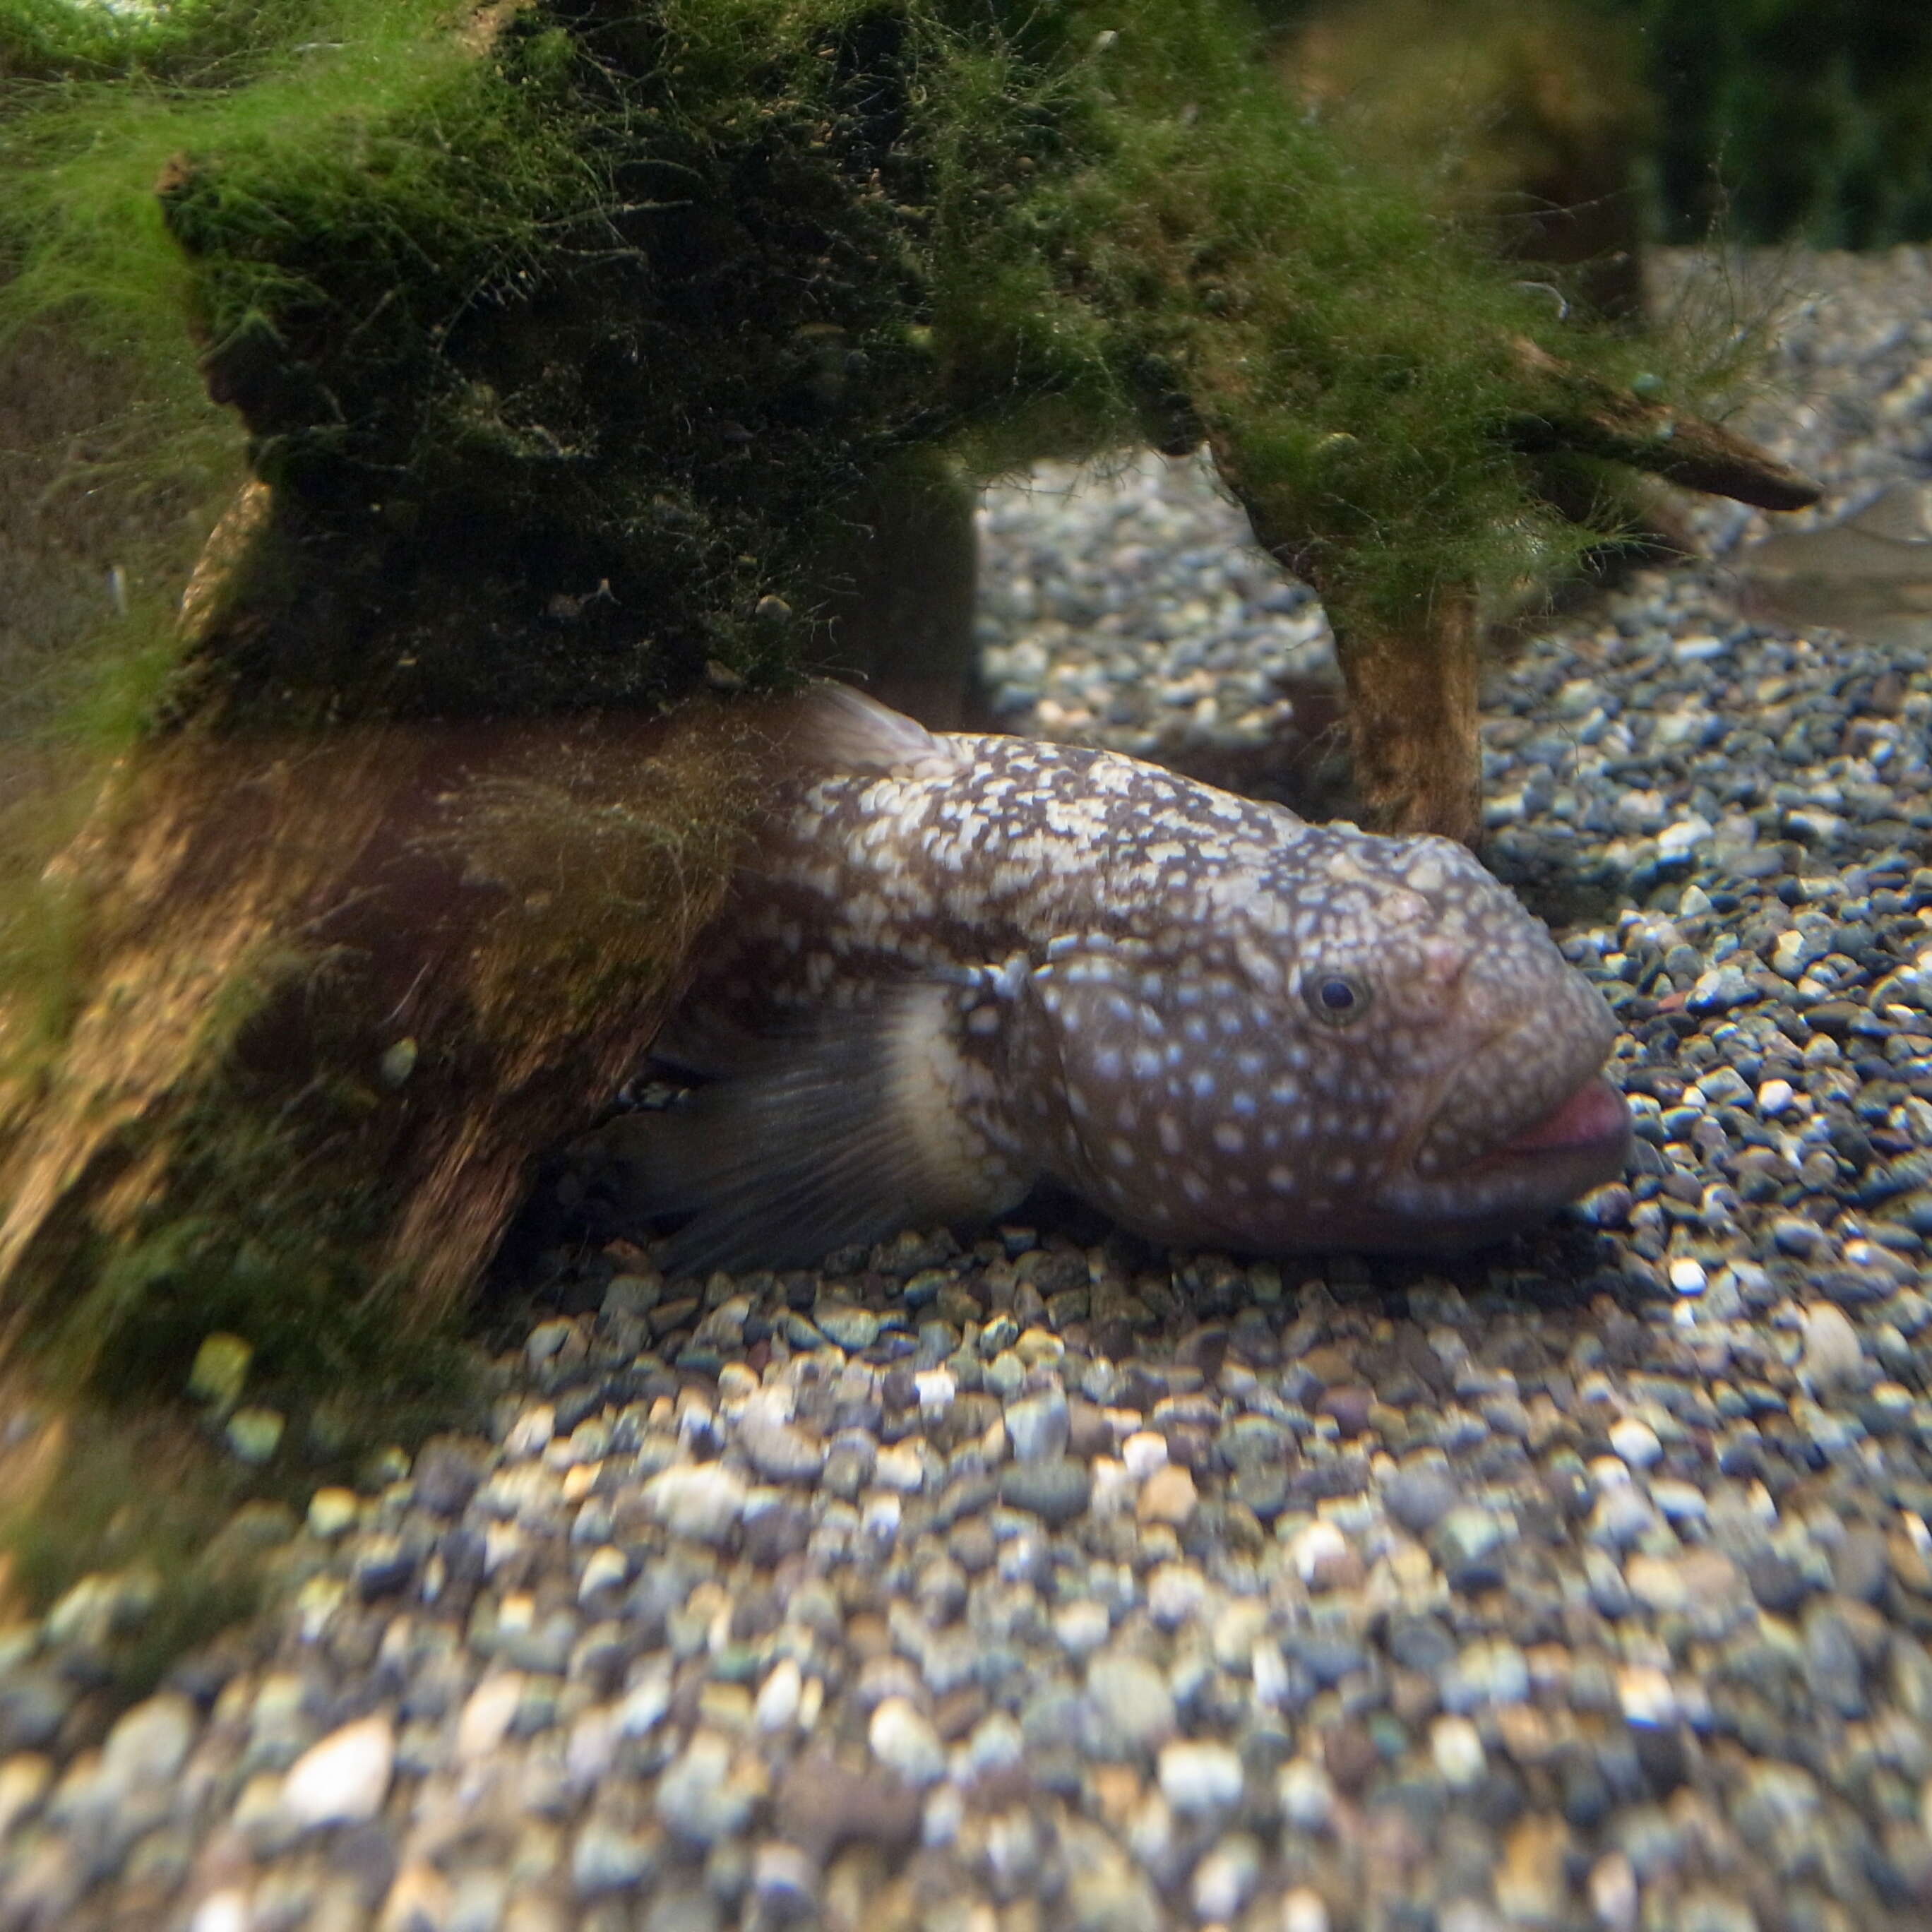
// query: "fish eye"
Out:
[1336,999]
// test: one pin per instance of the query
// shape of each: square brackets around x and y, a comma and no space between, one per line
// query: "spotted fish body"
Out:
[954,966]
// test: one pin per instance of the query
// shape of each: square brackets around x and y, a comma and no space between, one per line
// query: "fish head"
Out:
[1489,1049]
[1373,1046]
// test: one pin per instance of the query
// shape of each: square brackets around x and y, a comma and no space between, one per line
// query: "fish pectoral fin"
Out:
[842,1130]
[699,1045]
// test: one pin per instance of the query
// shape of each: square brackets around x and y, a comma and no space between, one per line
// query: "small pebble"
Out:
[1133,1699]
[1457,1749]
[220,1371]
[1636,1441]
[1200,1780]
[1303,1909]
[1833,1354]
[1688,1276]
[331,1511]
[344,1779]
[1168,1495]
[905,1742]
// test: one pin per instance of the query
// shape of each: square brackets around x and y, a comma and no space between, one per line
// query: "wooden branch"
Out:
[515,895]
[1595,417]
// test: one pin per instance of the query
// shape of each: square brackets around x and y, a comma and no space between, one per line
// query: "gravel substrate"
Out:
[1058,1581]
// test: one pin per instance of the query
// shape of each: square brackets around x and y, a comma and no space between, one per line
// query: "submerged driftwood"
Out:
[1412,716]
[415,948]
[337,989]
[550,432]
[707,326]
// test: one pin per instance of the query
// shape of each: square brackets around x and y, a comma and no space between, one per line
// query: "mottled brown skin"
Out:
[955,966]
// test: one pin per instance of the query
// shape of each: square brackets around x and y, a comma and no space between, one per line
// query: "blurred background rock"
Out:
[1769,121]
[1530,122]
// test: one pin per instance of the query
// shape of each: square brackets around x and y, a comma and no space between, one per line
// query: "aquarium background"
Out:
[1807,121]
[1803,121]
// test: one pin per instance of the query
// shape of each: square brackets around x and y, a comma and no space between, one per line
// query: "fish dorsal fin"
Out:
[833,727]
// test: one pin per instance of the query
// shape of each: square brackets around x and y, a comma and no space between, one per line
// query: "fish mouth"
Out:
[1575,1135]
[1580,1143]
[1532,1100]
[1591,1125]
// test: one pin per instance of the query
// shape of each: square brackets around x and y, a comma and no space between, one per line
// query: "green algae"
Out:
[615,312]
[570,338]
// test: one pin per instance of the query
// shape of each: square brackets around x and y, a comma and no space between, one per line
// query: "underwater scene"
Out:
[965,965]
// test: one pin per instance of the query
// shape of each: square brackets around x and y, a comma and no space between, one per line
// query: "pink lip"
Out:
[1594,1116]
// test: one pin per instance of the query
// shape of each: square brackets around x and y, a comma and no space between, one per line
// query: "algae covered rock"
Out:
[576,343]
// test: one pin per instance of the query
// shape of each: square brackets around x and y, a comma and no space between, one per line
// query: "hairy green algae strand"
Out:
[568,340]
